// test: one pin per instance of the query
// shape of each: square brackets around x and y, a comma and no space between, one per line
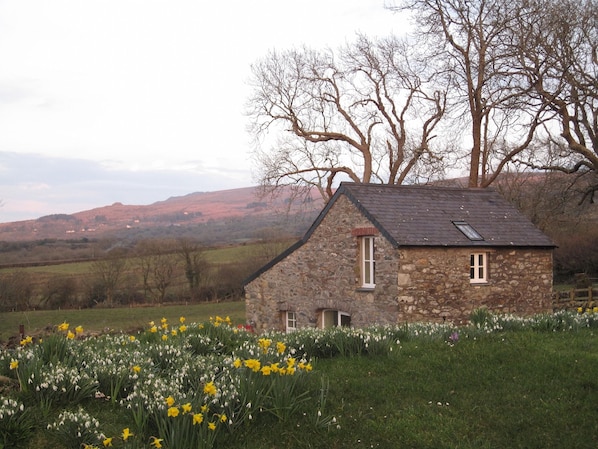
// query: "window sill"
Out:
[365,289]
[474,283]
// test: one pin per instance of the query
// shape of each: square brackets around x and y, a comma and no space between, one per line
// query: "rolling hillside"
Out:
[204,210]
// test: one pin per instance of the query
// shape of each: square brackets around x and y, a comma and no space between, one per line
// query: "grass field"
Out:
[125,319]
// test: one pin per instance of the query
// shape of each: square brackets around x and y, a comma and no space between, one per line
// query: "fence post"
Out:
[22,331]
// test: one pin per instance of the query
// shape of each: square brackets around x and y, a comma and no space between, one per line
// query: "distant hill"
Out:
[195,212]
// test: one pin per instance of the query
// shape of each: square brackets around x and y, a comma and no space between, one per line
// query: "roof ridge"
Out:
[350,184]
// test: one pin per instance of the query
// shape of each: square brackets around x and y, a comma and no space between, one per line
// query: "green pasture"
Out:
[116,319]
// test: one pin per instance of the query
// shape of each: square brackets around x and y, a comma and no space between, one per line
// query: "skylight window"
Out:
[468,230]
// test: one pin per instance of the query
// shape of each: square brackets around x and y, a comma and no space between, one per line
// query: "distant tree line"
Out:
[153,272]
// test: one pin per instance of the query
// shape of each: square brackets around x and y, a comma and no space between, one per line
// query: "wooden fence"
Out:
[586,298]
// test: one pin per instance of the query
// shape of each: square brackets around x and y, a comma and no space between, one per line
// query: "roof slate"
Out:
[424,215]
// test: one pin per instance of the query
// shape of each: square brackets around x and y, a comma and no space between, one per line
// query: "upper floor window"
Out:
[368,263]
[478,268]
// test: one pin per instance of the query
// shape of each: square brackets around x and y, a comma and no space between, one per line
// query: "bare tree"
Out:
[158,267]
[558,52]
[194,262]
[471,41]
[108,272]
[367,113]
[16,290]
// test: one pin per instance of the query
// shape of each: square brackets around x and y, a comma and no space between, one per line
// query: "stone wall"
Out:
[412,284]
[434,283]
[324,274]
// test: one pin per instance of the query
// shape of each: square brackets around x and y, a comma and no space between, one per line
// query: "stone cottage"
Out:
[383,254]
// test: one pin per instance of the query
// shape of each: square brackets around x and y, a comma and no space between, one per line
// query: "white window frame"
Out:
[290,321]
[478,268]
[367,262]
[337,317]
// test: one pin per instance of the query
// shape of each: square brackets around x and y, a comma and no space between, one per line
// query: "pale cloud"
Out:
[154,91]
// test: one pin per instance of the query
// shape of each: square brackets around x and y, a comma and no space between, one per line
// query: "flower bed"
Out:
[193,385]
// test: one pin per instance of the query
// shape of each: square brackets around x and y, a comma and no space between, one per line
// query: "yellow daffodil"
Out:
[223,418]
[169,401]
[126,434]
[237,363]
[280,347]
[182,319]
[212,426]
[173,412]
[291,361]
[253,364]
[182,328]
[14,364]
[186,407]
[79,329]
[580,310]
[210,389]
[197,418]
[163,320]
[304,366]
[204,408]
[70,335]
[27,340]
[157,442]
[264,343]
[164,337]
[266,370]
[173,332]
[107,442]
[63,327]
[153,329]
[152,324]
[131,338]
[136,368]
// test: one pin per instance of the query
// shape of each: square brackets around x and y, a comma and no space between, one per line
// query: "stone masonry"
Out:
[412,283]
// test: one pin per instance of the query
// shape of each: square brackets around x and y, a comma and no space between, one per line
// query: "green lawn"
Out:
[515,390]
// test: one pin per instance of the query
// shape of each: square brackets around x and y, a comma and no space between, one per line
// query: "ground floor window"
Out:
[333,318]
[290,321]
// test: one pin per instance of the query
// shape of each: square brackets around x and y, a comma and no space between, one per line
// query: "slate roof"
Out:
[425,215]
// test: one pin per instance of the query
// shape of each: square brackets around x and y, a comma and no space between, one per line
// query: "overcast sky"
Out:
[135,101]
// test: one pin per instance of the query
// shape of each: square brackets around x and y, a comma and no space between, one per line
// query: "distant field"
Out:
[116,319]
